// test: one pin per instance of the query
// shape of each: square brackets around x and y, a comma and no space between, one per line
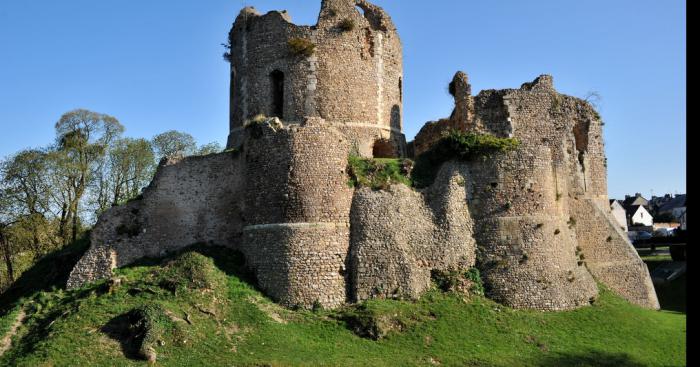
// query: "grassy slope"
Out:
[244,328]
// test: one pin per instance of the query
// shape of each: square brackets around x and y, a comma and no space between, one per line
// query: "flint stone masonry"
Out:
[354,76]
[400,235]
[190,200]
[534,221]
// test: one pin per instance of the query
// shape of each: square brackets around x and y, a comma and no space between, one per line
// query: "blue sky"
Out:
[156,65]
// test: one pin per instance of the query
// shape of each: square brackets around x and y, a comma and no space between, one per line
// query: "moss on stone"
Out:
[457,145]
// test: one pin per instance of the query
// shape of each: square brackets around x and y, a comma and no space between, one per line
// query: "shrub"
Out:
[346,25]
[378,173]
[254,125]
[452,89]
[457,145]
[453,280]
[227,54]
[302,47]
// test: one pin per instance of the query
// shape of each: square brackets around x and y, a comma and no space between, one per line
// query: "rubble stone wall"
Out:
[609,255]
[398,236]
[526,244]
[190,200]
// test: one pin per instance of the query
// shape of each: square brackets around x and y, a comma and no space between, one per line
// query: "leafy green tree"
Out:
[6,212]
[131,163]
[25,186]
[211,148]
[83,139]
[173,143]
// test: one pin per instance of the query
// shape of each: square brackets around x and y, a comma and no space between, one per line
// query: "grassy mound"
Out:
[216,317]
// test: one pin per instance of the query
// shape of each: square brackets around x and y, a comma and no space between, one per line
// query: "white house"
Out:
[619,214]
[638,215]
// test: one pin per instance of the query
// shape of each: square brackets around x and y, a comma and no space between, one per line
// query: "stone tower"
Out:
[351,76]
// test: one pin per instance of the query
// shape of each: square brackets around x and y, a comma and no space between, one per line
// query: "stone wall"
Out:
[532,229]
[534,220]
[610,256]
[527,248]
[190,200]
[298,201]
[398,236]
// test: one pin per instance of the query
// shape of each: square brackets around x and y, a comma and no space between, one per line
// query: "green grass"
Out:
[378,173]
[216,317]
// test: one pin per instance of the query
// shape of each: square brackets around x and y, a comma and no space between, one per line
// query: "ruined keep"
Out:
[534,221]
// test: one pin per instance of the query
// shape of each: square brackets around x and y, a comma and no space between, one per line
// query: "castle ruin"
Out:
[534,221]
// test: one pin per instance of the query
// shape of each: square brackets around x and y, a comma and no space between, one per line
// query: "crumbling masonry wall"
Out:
[526,243]
[554,182]
[190,200]
[398,236]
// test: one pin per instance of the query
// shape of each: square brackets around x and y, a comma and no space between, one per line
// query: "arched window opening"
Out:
[360,10]
[277,84]
[400,90]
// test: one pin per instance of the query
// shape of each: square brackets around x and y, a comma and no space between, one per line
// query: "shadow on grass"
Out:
[590,359]
[119,329]
[43,310]
[672,295]
[50,272]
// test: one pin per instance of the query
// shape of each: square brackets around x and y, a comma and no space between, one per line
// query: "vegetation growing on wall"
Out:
[300,46]
[378,173]
[346,25]
[457,145]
